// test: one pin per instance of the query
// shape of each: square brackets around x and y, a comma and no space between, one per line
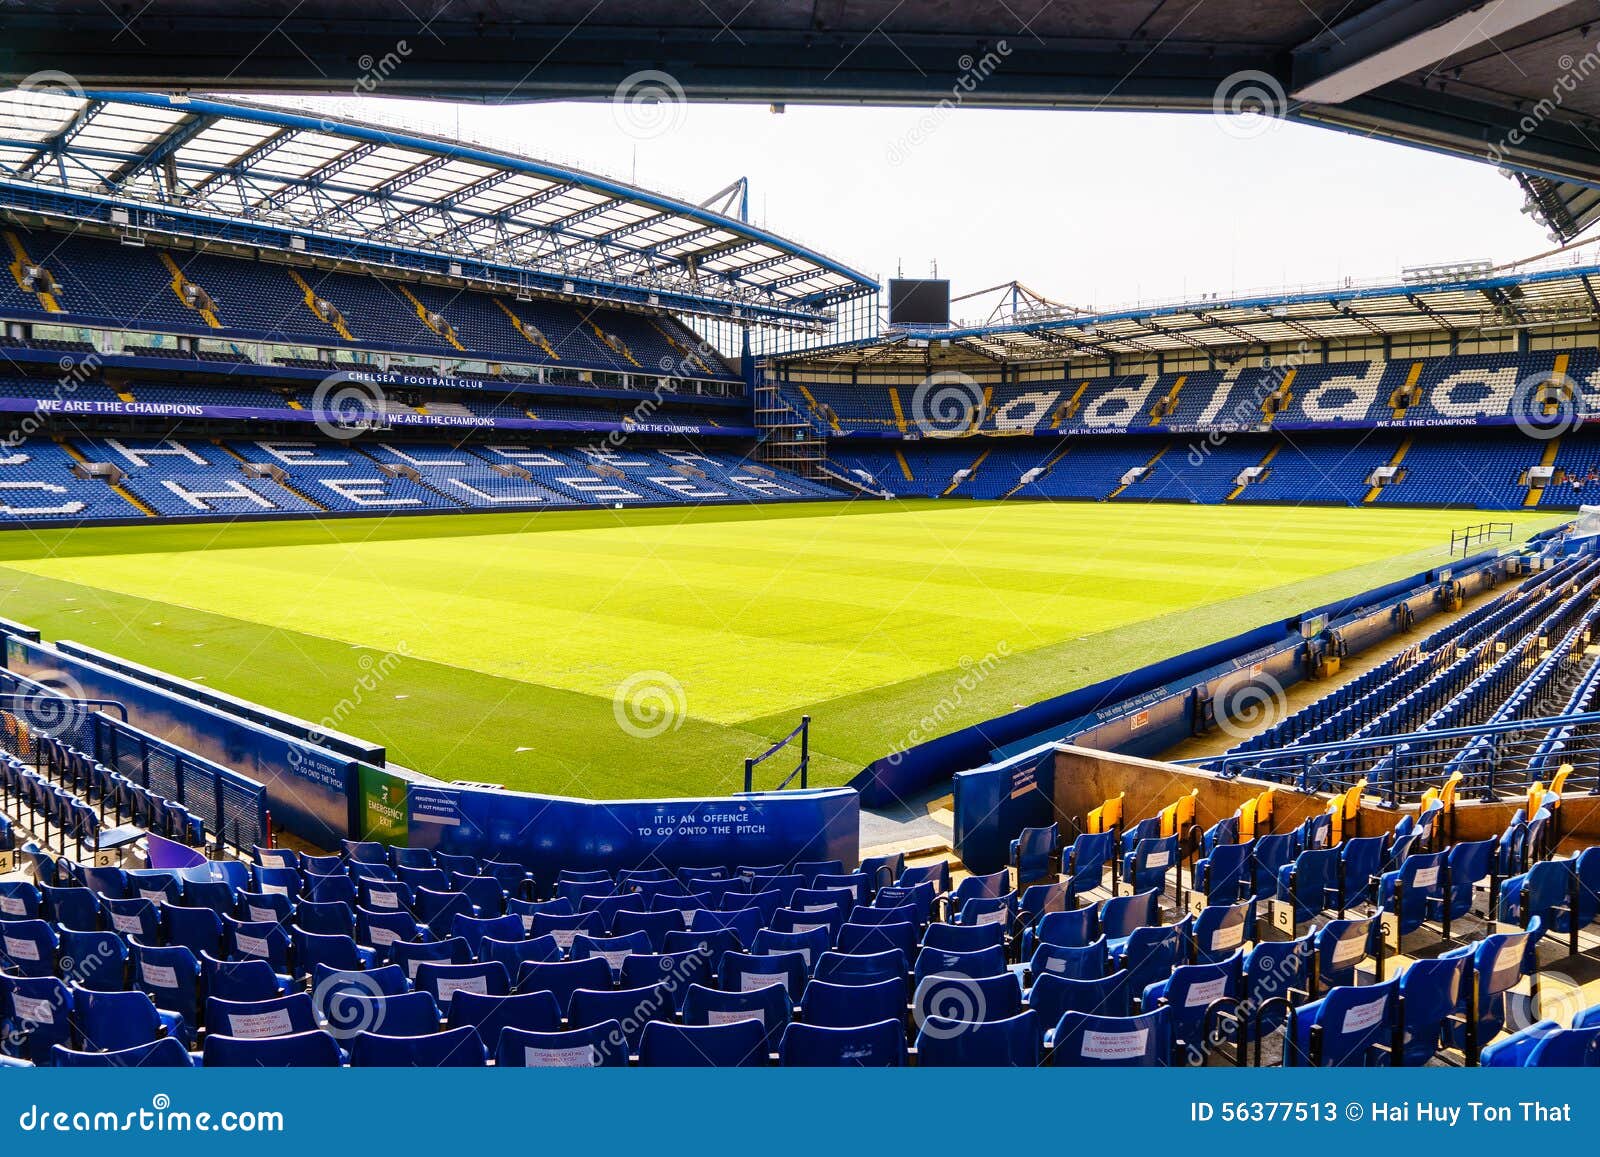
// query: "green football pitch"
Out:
[638,653]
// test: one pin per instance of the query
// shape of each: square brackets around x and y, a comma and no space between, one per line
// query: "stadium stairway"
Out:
[1399,456]
[972,473]
[1265,463]
[1535,493]
[1149,465]
[1044,467]
[1401,400]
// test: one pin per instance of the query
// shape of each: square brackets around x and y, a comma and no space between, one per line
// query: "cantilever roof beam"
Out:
[1395,39]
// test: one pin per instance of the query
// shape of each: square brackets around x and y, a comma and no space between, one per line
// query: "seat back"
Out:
[1086,962]
[28,947]
[881,1044]
[739,1043]
[1052,995]
[1151,953]
[170,977]
[1362,857]
[1345,1028]
[963,937]
[529,1011]
[633,1008]
[1220,929]
[1432,990]
[562,978]
[1033,853]
[1313,883]
[674,971]
[1084,1040]
[1193,991]
[852,1005]
[19,900]
[583,1048]
[866,940]
[861,967]
[442,981]
[456,1048]
[1342,945]
[112,1021]
[1087,859]
[1013,1042]
[1225,874]
[1120,915]
[411,955]
[746,972]
[1039,899]
[276,1016]
[166,1053]
[768,1004]
[1073,928]
[965,999]
[315,1049]
[655,925]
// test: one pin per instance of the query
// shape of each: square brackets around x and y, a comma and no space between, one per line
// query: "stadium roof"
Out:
[1507,80]
[187,160]
[1442,303]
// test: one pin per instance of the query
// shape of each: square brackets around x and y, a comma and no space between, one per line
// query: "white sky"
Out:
[1097,209]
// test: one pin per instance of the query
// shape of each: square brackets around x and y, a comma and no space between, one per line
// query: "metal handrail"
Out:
[1544,722]
[1484,751]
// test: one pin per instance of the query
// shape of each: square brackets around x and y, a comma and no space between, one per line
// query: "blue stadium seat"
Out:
[596,1046]
[456,1048]
[165,1053]
[878,1045]
[315,1049]
[1083,1040]
[735,1044]
[1013,1042]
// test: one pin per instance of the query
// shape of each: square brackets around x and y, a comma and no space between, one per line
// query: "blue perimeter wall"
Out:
[321,793]
[548,833]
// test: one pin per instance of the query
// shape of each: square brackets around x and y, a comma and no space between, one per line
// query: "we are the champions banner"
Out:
[95,408]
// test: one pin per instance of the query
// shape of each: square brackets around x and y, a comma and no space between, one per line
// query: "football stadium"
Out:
[460,609]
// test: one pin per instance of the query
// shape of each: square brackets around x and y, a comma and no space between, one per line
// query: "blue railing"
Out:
[233,807]
[1494,759]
